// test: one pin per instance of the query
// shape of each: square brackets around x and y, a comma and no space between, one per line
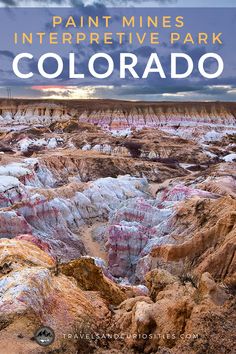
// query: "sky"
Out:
[189,90]
[141,3]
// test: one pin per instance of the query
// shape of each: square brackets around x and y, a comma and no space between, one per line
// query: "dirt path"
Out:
[93,248]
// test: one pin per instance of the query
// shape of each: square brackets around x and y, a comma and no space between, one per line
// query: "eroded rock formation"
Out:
[118,226]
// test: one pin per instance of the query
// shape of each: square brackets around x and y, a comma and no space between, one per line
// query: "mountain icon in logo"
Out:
[44,336]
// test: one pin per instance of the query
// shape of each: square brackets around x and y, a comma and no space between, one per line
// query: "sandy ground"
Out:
[93,248]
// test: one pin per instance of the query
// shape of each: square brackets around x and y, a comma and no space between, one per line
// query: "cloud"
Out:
[75,3]
[129,2]
[209,93]
[8,2]
[31,2]
[69,92]
[7,54]
[153,87]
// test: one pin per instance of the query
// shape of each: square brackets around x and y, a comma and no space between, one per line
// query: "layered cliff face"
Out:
[162,130]
[185,119]
[17,113]
[118,219]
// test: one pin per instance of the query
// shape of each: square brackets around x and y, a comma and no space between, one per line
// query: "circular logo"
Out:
[44,336]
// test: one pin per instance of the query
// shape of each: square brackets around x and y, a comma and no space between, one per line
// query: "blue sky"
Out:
[151,89]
